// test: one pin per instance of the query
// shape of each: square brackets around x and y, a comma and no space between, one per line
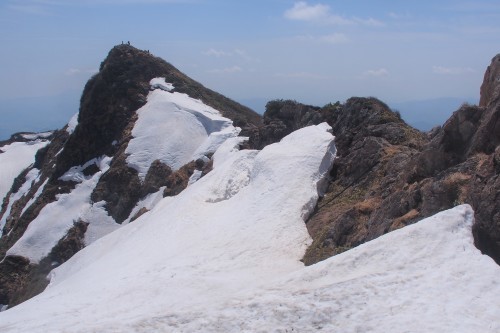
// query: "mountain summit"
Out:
[136,138]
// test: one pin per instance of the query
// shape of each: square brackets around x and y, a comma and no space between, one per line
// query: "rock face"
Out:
[389,175]
[107,116]
[490,89]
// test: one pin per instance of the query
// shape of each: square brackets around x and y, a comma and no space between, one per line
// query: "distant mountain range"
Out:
[37,114]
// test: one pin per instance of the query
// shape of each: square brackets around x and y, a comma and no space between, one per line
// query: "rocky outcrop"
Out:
[490,89]
[373,146]
[111,97]
[389,175]
[281,118]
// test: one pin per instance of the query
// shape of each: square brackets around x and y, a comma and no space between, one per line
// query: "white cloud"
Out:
[320,13]
[371,22]
[377,72]
[452,70]
[77,71]
[334,38]
[217,53]
[236,52]
[233,69]
[301,11]
[244,55]
[399,16]
[300,75]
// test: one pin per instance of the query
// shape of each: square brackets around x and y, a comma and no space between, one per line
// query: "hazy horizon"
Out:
[314,52]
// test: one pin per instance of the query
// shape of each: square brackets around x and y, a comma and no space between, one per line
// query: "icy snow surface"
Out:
[56,218]
[223,256]
[72,124]
[31,178]
[175,129]
[16,157]
[147,202]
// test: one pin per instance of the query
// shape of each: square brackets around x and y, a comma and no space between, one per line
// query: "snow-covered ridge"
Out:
[175,129]
[223,256]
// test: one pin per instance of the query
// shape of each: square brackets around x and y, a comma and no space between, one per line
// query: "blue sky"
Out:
[312,51]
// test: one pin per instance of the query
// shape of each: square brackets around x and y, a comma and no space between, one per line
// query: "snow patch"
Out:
[195,177]
[75,173]
[100,223]
[159,83]
[147,202]
[73,122]
[37,194]
[175,129]
[16,157]
[35,136]
[30,179]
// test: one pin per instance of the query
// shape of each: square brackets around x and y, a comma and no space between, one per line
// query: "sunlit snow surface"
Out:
[223,256]
[56,218]
[175,129]
[15,158]
[73,122]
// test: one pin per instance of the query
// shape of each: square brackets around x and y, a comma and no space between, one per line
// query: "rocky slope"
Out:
[86,164]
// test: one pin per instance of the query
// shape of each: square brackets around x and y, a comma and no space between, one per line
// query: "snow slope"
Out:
[175,129]
[16,157]
[30,179]
[56,218]
[223,256]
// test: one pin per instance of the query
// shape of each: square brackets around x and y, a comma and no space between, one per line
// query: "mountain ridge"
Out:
[386,174]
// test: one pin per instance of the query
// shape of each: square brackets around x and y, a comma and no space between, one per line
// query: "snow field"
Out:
[193,250]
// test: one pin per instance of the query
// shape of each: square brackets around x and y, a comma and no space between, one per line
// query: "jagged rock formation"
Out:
[105,122]
[490,89]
